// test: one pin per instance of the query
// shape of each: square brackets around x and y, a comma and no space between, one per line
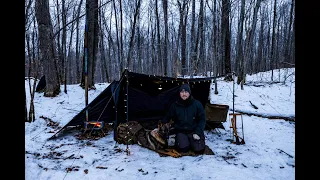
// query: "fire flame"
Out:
[96,124]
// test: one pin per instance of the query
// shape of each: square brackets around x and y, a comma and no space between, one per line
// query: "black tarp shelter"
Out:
[139,97]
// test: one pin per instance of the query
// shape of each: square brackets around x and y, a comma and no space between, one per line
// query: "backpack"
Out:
[127,132]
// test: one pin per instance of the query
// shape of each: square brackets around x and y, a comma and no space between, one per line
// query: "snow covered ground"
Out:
[268,152]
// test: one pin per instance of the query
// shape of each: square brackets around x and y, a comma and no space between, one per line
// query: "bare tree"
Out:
[120,61]
[159,55]
[193,43]
[111,48]
[28,14]
[68,72]
[59,56]
[47,47]
[273,41]
[133,28]
[32,71]
[261,63]
[25,107]
[103,59]
[214,38]
[167,71]
[154,42]
[92,41]
[78,60]
[288,42]
[239,45]
[64,46]
[201,36]
[199,40]
[183,11]
[248,53]
[225,32]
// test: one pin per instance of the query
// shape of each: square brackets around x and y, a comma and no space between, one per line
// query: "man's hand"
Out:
[196,137]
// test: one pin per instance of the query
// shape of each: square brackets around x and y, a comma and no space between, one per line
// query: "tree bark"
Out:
[159,56]
[47,47]
[226,38]
[133,28]
[239,45]
[167,71]
[92,41]
[183,34]
[78,59]
[273,40]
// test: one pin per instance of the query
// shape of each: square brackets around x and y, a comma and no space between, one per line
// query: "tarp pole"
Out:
[127,104]
[127,116]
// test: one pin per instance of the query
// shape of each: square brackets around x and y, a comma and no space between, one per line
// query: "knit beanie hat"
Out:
[185,87]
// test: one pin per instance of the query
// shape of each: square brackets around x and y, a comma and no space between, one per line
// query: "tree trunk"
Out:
[167,71]
[68,68]
[239,45]
[92,41]
[260,63]
[59,56]
[248,54]
[78,59]
[103,59]
[133,28]
[225,31]
[47,47]
[288,42]
[123,64]
[25,107]
[64,46]
[273,40]
[183,34]
[193,43]
[201,60]
[197,58]
[120,61]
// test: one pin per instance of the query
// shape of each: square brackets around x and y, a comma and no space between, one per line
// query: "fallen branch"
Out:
[254,106]
[287,118]
[281,151]
[50,122]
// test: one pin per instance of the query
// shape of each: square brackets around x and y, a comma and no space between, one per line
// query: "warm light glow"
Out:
[96,124]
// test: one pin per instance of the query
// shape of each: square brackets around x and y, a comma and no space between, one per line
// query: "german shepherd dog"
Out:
[156,140]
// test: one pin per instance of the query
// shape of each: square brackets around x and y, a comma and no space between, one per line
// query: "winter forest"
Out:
[66,40]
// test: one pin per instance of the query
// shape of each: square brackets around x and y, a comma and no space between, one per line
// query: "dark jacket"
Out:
[188,116]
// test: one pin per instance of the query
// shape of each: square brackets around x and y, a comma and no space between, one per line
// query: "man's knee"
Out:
[182,142]
[198,146]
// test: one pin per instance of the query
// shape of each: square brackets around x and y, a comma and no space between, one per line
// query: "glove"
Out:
[196,137]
